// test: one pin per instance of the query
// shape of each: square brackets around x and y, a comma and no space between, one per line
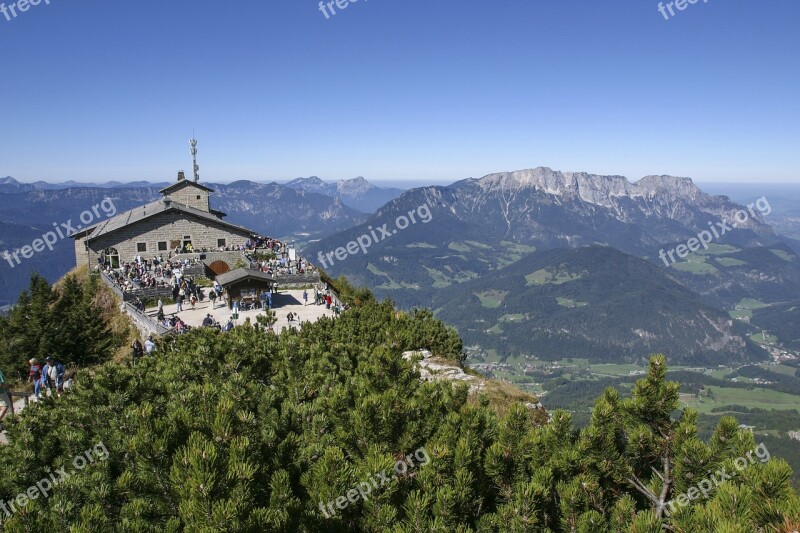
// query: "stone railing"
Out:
[116,289]
[296,280]
[150,292]
[195,270]
[144,323]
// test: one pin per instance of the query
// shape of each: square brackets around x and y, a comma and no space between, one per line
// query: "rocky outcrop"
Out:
[433,370]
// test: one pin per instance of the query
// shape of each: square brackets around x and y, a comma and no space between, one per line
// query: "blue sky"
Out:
[394,90]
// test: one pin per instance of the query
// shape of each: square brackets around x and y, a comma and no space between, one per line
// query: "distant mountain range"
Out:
[8,182]
[474,260]
[481,226]
[269,208]
[357,193]
[281,211]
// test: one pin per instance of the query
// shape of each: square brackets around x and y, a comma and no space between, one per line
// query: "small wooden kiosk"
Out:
[245,285]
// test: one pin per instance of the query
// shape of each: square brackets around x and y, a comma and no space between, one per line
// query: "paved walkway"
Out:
[284,302]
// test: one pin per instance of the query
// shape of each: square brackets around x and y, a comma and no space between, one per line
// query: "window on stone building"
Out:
[162,246]
[141,247]
[198,196]
[221,243]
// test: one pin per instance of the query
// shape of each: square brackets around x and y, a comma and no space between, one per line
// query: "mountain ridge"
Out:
[357,193]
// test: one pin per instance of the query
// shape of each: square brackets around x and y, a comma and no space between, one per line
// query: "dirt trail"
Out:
[19,405]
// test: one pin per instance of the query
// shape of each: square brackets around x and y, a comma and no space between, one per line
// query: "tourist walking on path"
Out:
[305,297]
[137,349]
[263,298]
[35,376]
[149,345]
[53,376]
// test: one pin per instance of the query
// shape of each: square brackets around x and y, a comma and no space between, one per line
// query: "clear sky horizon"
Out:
[421,91]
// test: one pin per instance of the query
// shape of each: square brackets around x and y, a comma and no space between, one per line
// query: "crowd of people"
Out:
[265,243]
[281,266]
[145,273]
[258,241]
[142,273]
[267,254]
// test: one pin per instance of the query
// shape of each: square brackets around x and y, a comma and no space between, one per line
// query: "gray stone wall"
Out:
[170,227]
[191,196]
[82,257]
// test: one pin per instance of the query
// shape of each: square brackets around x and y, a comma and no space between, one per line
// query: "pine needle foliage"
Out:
[251,431]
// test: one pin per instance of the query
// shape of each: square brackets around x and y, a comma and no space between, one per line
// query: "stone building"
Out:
[182,219]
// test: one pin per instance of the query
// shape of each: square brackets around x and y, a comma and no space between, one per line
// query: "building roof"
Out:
[137,214]
[178,184]
[240,274]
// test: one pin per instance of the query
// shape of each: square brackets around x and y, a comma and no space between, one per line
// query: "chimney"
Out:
[181,176]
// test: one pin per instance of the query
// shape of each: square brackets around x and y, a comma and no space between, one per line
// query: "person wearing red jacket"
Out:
[35,376]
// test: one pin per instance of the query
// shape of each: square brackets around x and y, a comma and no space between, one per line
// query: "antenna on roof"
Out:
[193,151]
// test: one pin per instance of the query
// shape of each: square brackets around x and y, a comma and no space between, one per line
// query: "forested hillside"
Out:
[592,302]
[76,320]
[330,429]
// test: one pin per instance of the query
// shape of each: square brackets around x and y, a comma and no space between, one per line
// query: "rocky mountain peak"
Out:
[9,184]
[357,185]
[311,181]
[670,185]
[592,188]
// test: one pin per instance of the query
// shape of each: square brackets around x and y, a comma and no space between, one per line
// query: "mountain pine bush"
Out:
[249,431]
